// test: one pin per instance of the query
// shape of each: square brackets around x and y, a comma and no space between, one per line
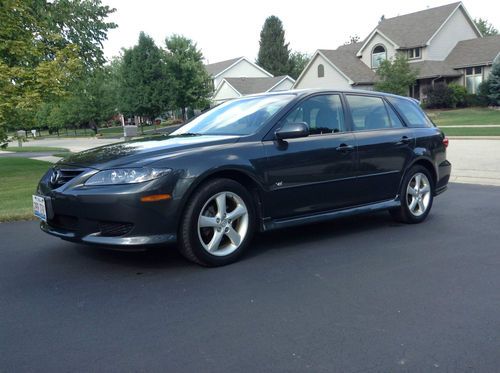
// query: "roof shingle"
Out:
[474,52]
[344,58]
[216,68]
[248,86]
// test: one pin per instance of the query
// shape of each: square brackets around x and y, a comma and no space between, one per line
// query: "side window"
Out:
[321,71]
[395,121]
[371,113]
[411,113]
[323,114]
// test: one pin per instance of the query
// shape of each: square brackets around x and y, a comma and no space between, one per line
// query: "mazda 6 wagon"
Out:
[253,164]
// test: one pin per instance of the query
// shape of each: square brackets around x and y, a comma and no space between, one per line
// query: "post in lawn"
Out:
[21,135]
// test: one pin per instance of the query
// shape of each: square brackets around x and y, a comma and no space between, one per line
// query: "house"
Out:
[240,67]
[230,88]
[442,44]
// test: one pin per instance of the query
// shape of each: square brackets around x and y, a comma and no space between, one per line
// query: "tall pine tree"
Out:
[274,54]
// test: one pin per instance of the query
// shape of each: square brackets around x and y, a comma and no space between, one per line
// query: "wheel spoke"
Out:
[207,221]
[233,236]
[425,189]
[418,180]
[413,204]
[421,206]
[213,245]
[412,191]
[221,204]
[238,212]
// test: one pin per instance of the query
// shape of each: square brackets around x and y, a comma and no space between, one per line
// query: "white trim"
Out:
[250,62]
[318,53]
[467,15]
[370,37]
[230,86]
[281,81]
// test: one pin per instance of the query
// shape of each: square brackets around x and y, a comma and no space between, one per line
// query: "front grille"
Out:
[114,229]
[61,176]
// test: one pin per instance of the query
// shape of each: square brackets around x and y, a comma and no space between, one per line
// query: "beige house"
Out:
[239,77]
[442,44]
[231,88]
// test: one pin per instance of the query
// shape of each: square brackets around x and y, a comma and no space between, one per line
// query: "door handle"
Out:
[344,148]
[404,140]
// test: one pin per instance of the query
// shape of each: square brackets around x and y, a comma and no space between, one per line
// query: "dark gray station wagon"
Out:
[253,164]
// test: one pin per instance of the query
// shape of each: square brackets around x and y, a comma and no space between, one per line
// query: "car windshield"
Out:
[240,117]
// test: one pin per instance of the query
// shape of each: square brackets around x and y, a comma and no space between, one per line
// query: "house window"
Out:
[379,54]
[473,78]
[414,53]
[321,71]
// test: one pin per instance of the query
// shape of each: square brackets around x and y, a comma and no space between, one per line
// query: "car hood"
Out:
[141,152]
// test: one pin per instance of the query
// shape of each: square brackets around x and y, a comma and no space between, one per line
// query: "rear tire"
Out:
[218,223]
[416,195]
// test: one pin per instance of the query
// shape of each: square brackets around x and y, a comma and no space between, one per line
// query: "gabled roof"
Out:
[248,86]
[344,59]
[417,29]
[474,52]
[216,68]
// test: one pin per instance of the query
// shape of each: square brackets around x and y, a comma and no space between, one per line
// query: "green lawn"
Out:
[467,116]
[18,180]
[471,131]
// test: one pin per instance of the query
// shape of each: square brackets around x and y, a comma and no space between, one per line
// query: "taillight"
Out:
[446,142]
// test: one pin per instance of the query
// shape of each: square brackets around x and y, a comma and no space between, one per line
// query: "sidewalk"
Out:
[475,161]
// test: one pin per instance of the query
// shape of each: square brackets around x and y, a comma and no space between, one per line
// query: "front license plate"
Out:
[39,208]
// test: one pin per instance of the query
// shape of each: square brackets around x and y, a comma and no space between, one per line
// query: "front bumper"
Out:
[110,215]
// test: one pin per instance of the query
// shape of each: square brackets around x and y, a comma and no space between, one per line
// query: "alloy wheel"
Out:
[223,223]
[418,194]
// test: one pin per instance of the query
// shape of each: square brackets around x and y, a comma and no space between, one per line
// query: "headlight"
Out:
[126,176]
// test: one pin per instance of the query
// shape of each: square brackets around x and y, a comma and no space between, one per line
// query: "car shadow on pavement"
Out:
[287,239]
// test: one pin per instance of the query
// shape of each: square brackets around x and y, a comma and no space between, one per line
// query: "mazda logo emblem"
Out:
[55,176]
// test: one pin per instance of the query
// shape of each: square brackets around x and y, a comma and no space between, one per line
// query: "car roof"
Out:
[308,91]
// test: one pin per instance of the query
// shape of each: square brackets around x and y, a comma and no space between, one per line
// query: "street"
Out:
[362,294]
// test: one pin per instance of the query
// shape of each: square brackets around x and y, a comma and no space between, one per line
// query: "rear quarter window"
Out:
[411,112]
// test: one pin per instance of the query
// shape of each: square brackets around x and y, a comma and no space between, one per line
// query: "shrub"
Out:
[458,95]
[440,96]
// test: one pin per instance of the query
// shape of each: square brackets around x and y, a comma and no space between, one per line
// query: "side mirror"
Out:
[292,131]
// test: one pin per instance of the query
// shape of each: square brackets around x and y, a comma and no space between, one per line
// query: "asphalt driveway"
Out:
[354,295]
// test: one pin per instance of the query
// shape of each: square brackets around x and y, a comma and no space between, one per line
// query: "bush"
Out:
[440,96]
[476,100]
[458,95]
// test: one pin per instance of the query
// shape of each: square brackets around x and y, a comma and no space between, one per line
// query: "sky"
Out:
[226,29]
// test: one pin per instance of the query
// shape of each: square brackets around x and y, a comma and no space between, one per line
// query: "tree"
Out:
[145,85]
[494,83]
[273,54]
[395,76]
[352,39]
[298,62]
[44,48]
[485,27]
[190,81]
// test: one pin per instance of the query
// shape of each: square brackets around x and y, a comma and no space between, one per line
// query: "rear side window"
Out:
[411,112]
[371,113]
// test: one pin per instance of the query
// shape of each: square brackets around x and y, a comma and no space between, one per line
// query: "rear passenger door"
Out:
[385,146]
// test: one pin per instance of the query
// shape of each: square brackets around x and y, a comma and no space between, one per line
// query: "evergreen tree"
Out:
[190,81]
[494,83]
[485,27]
[298,62]
[145,85]
[396,76]
[274,54]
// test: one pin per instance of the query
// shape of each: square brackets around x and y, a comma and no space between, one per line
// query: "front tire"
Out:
[218,223]
[416,195]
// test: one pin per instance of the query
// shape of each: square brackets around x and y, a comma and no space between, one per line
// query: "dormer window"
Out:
[321,71]
[379,54]
[414,53]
